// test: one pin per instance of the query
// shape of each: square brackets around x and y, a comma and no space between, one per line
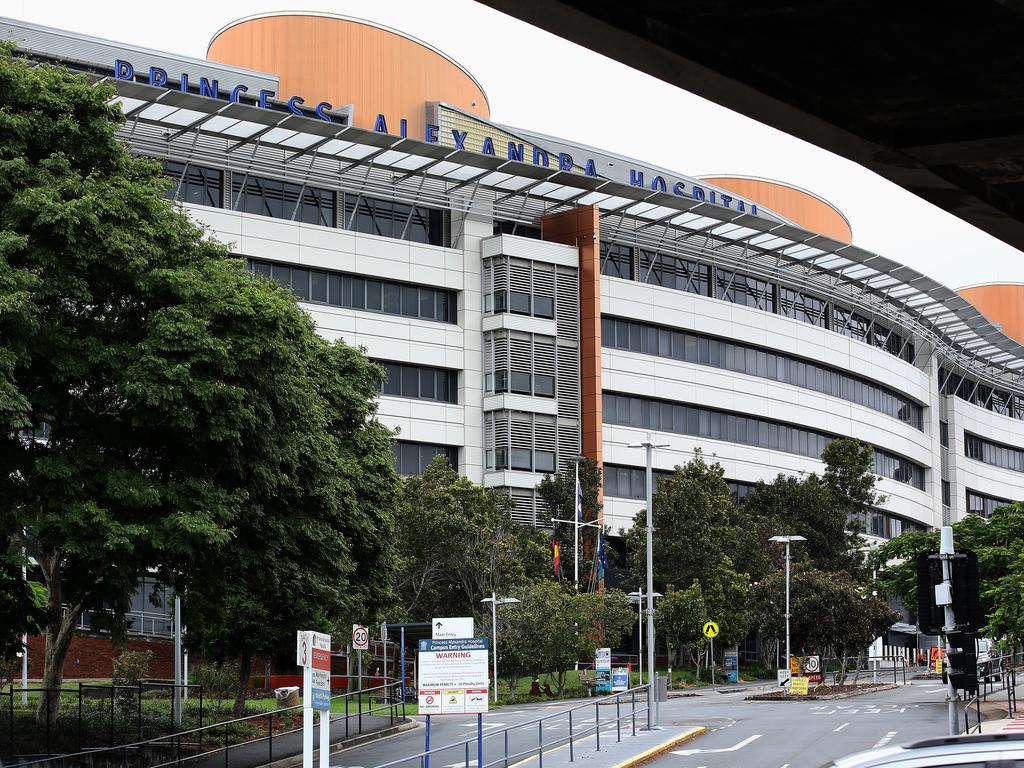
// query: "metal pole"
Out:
[402,640]
[787,612]
[494,649]
[177,661]
[360,655]
[650,587]
[576,528]
[384,639]
[640,632]
[24,647]
[946,553]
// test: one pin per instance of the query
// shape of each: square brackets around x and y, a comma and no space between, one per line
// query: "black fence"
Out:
[92,716]
[253,740]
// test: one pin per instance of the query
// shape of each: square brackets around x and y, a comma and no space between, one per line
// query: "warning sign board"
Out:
[798,686]
[452,676]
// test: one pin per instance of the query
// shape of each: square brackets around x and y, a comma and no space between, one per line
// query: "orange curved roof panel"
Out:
[804,209]
[1001,303]
[348,61]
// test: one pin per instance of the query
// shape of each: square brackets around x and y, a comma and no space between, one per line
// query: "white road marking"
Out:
[486,725]
[460,764]
[836,730]
[885,739]
[785,765]
[733,748]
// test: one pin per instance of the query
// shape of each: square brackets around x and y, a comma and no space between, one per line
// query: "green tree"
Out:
[554,627]
[148,385]
[681,615]
[558,493]
[456,543]
[999,544]
[22,607]
[314,544]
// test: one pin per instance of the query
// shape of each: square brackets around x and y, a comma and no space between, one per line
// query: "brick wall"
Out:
[91,656]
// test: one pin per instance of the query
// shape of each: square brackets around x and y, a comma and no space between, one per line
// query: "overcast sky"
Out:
[537,81]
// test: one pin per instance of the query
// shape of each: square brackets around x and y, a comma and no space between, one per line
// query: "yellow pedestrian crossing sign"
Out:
[710,629]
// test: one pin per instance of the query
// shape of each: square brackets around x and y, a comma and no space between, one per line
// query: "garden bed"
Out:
[825,692]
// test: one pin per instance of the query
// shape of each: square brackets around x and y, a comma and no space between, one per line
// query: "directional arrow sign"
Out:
[451,628]
[733,748]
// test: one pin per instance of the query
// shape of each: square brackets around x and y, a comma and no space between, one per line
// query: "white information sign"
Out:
[452,627]
[313,654]
[305,642]
[452,676]
[603,659]
[360,638]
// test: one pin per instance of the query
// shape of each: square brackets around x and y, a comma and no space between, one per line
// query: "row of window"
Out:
[520,459]
[753,361]
[991,399]
[520,303]
[886,526]
[692,276]
[520,383]
[420,381]
[991,452]
[631,483]
[343,290]
[301,202]
[414,458]
[983,505]
[696,421]
[502,227]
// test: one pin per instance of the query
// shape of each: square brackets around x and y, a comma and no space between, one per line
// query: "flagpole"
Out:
[576,525]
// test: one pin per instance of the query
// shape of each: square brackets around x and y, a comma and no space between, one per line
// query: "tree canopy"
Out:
[153,394]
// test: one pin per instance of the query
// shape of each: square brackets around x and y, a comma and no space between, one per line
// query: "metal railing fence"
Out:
[471,750]
[229,737]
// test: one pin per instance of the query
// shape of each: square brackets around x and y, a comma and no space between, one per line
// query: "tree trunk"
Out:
[244,668]
[60,630]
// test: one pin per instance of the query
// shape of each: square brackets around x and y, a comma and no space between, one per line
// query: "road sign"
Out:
[603,670]
[452,676]
[783,676]
[305,642]
[452,627]
[620,679]
[710,629]
[360,638]
[938,666]
[798,686]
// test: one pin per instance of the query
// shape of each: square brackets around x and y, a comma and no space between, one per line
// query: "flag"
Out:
[556,552]
[602,556]
[579,497]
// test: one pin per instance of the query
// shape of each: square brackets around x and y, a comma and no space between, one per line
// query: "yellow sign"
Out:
[710,629]
[938,666]
[798,685]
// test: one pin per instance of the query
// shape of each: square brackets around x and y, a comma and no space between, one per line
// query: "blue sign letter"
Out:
[403,128]
[123,70]
[380,125]
[265,97]
[236,93]
[740,206]
[515,152]
[591,170]
[488,146]
[293,105]
[726,200]
[565,162]
[432,133]
[460,137]
[157,76]
[539,154]
[209,88]
[636,178]
[321,111]
[678,189]
[698,193]
[183,82]
[658,184]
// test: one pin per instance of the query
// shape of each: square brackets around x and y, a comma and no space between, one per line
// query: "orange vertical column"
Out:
[581,227]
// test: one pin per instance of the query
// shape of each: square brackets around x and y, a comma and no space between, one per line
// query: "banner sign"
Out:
[452,676]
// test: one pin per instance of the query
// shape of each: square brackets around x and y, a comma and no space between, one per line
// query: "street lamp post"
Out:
[648,445]
[787,540]
[495,601]
[638,598]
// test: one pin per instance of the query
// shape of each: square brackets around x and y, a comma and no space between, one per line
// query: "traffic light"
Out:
[962,660]
[930,617]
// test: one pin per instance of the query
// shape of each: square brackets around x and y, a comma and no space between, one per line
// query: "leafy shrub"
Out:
[219,681]
[131,666]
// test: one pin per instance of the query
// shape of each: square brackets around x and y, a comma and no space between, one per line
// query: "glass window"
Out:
[544,461]
[521,383]
[544,385]
[413,458]
[522,459]
[543,306]
[519,302]
[195,184]
[616,260]
[389,218]
[282,200]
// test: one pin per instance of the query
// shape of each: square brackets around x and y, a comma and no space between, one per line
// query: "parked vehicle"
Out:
[994,750]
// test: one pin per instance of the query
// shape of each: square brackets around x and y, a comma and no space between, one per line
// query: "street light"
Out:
[638,598]
[787,540]
[649,447]
[495,601]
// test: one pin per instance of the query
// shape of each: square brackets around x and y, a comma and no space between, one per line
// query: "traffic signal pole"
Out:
[943,597]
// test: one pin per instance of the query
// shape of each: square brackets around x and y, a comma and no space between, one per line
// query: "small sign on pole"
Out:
[451,628]
[603,670]
[798,686]
[453,678]
[313,654]
[360,638]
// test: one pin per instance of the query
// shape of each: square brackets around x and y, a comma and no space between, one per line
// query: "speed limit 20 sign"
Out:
[360,638]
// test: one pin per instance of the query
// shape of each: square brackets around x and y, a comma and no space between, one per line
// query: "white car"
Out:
[996,750]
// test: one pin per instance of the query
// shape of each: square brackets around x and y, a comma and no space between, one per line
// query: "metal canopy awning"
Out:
[927,308]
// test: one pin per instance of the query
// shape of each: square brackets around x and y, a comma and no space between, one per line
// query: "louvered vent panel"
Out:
[486,275]
[568,443]
[522,430]
[523,506]
[500,431]
[544,355]
[499,267]
[519,275]
[545,433]
[544,280]
[567,304]
[500,359]
[520,352]
[567,381]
